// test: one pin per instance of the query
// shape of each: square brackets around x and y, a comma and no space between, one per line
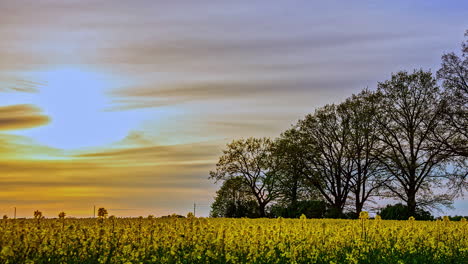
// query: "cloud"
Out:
[9,84]
[163,155]
[17,148]
[154,96]
[220,49]
[136,138]
[213,91]
[133,173]
[16,117]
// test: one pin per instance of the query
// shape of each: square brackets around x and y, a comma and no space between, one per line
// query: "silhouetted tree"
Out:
[454,136]
[102,212]
[234,199]
[362,147]
[454,74]
[250,159]
[324,137]
[334,151]
[286,159]
[409,112]
[62,215]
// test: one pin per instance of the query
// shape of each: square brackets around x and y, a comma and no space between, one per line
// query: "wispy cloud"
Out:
[21,116]
[20,85]
[152,176]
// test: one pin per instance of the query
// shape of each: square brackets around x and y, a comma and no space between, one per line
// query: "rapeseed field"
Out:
[218,240]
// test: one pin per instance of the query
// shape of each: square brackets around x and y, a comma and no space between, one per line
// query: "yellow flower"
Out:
[363,215]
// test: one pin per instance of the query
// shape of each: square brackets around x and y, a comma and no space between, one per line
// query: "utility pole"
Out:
[194,208]
[94,212]
[14,214]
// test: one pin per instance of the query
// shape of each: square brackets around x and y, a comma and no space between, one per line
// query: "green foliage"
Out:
[250,161]
[234,199]
[457,218]
[242,209]
[401,212]
[287,159]
[310,209]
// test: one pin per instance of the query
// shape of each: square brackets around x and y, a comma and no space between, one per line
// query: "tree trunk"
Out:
[359,206]
[336,211]
[411,203]
[261,210]
[292,210]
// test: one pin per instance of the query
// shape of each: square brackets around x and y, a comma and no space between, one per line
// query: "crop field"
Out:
[218,240]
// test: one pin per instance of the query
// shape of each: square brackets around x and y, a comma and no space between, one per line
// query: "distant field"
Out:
[203,240]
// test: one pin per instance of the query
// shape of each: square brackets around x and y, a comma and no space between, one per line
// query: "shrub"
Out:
[401,212]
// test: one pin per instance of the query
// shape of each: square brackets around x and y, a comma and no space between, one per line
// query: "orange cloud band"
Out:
[21,116]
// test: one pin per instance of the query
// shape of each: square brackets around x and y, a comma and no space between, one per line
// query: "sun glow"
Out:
[76,102]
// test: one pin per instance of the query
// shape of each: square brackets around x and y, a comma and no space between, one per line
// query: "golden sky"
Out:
[127,104]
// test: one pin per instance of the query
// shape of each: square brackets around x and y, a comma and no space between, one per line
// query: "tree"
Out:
[409,112]
[454,136]
[102,213]
[454,76]
[363,147]
[334,151]
[62,215]
[323,138]
[38,214]
[234,199]
[286,154]
[250,160]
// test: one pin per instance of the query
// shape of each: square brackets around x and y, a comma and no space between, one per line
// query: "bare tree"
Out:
[454,74]
[409,112]
[363,147]
[324,136]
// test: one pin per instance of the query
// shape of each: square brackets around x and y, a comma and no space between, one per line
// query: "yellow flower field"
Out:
[217,240]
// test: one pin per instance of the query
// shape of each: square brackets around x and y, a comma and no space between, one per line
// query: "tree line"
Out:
[406,140]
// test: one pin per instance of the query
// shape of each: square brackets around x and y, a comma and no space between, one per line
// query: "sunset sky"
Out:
[128,104]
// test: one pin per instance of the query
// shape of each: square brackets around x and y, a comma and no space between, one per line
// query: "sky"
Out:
[127,105]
